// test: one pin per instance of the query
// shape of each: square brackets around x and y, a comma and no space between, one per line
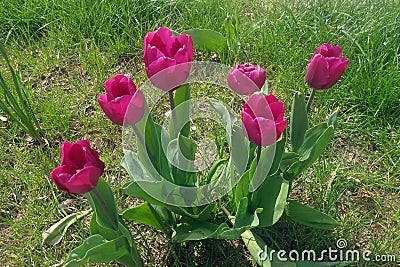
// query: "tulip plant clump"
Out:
[255,187]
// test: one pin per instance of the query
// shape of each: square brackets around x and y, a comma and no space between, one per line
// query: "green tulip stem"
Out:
[258,153]
[104,207]
[310,99]
[172,105]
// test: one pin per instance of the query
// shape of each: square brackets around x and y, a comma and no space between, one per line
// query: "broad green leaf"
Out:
[103,204]
[181,152]
[309,216]
[97,249]
[311,137]
[263,166]
[135,190]
[310,155]
[195,230]
[255,244]
[55,233]
[144,214]
[271,197]
[242,187]
[97,229]
[298,121]
[152,156]
[208,40]
[244,219]
[279,151]
[155,188]
[287,159]
[217,170]
[182,109]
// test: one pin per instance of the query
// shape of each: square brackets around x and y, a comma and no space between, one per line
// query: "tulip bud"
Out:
[326,67]
[246,79]
[262,119]
[80,168]
[173,54]
[122,103]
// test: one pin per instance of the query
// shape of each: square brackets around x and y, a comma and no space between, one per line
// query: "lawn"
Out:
[65,51]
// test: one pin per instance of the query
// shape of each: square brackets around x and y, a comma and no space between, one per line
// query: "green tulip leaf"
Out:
[271,197]
[208,40]
[308,216]
[97,229]
[298,121]
[316,140]
[245,220]
[152,156]
[279,151]
[217,171]
[102,201]
[182,110]
[145,214]
[97,249]
[56,232]
[255,244]
[288,158]
[195,230]
[181,152]
[242,187]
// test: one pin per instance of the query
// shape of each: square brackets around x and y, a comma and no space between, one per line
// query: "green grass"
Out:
[67,49]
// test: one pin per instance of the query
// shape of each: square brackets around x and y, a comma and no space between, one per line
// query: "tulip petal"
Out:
[267,131]
[153,53]
[251,128]
[280,127]
[103,102]
[271,99]
[259,106]
[163,40]
[61,175]
[318,72]
[336,70]
[258,77]
[84,180]
[135,109]
[278,110]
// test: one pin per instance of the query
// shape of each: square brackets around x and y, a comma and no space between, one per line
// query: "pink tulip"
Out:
[262,119]
[246,79]
[80,168]
[173,54]
[122,101]
[326,67]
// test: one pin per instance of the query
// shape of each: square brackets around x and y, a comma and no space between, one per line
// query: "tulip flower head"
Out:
[167,58]
[326,67]
[80,168]
[246,79]
[122,103]
[262,119]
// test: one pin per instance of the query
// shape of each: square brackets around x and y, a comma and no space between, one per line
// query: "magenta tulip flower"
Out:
[122,103]
[80,168]
[167,58]
[326,67]
[262,119]
[246,79]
